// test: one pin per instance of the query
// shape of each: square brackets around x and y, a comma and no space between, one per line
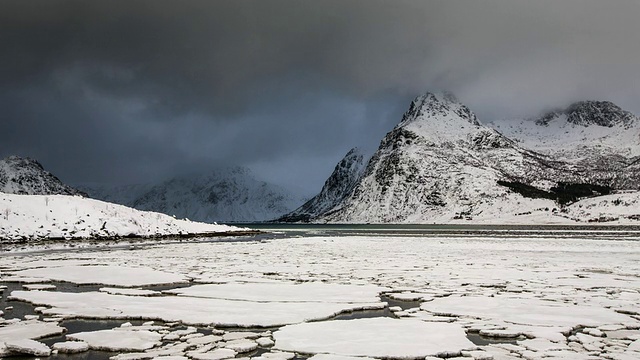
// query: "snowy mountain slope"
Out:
[225,195]
[427,167]
[343,179]
[441,164]
[36,217]
[27,176]
[595,137]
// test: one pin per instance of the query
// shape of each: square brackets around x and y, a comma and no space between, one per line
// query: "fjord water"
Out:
[601,232]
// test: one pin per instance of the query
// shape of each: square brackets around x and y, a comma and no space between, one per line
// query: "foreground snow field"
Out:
[481,297]
[36,217]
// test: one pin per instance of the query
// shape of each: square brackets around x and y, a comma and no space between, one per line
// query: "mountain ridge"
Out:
[440,163]
[229,194]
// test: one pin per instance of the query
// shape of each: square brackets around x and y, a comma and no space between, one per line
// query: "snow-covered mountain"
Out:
[225,195]
[344,178]
[440,164]
[25,176]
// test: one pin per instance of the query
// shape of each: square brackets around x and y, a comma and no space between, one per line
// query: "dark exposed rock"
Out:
[26,176]
[585,113]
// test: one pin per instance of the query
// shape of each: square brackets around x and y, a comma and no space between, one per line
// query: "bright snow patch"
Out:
[375,337]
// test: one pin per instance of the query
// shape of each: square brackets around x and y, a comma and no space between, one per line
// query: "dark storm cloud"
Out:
[127,90]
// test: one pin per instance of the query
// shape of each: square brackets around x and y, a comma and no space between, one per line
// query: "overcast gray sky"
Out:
[133,91]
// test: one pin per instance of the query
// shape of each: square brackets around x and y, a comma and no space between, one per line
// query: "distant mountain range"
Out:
[440,164]
[230,194]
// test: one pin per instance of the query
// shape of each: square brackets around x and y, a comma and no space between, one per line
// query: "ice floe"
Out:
[130,292]
[106,275]
[286,292]
[217,354]
[70,347]
[31,329]
[26,347]
[337,357]
[39,287]
[119,339]
[195,311]
[241,345]
[375,337]
[525,311]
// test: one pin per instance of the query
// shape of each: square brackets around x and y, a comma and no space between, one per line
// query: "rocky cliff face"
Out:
[25,176]
[441,164]
[343,179]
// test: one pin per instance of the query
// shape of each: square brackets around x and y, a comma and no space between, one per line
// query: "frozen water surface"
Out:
[573,294]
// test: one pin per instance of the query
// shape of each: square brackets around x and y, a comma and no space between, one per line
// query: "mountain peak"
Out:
[19,161]
[24,175]
[438,106]
[591,112]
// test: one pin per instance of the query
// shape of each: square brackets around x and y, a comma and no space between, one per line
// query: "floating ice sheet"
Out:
[375,337]
[525,311]
[196,311]
[130,292]
[286,292]
[119,339]
[107,275]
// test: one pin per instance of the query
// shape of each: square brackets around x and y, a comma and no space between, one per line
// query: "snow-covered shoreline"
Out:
[35,218]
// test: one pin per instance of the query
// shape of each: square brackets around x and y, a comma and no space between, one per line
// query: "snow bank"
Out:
[34,217]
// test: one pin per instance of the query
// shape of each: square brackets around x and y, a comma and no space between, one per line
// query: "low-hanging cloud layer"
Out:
[134,91]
